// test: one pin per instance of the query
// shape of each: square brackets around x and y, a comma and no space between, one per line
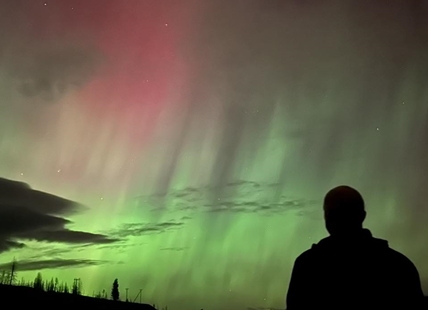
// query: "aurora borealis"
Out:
[200,137]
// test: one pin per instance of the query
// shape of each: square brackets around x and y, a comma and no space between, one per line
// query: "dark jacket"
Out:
[354,273]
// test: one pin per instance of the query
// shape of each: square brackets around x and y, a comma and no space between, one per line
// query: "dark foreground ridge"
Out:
[23,296]
[27,297]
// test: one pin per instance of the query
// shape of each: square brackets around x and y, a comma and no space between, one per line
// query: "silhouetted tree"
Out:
[60,288]
[22,282]
[3,277]
[101,294]
[12,275]
[38,282]
[77,287]
[115,290]
[9,276]
[50,286]
[66,290]
[74,288]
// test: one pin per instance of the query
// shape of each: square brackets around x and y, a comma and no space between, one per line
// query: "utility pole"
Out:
[139,294]
[127,294]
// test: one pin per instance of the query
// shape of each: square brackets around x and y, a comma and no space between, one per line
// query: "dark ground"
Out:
[27,297]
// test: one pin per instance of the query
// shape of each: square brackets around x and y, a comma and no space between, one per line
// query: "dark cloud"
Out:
[27,214]
[68,236]
[52,264]
[49,72]
[21,220]
[14,193]
[139,229]
[8,245]
[44,68]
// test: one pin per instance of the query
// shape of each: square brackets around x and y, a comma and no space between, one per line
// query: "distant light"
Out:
[59,170]
[377,128]
[45,4]
[22,173]
[102,198]
[166,25]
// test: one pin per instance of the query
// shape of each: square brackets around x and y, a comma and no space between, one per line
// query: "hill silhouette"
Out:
[28,297]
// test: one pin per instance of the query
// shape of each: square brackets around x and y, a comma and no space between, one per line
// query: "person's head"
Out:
[344,212]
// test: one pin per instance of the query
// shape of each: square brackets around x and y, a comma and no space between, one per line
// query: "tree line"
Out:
[53,285]
[9,277]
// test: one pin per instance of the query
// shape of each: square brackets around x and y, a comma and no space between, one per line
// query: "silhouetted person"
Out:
[350,269]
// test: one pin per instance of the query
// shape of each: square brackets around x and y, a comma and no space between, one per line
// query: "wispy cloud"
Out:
[176,249]
[120,246]
[140,229]
[268,208]
[29,265]
[238,197]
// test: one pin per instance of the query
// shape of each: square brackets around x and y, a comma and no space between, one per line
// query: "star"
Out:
[45,4]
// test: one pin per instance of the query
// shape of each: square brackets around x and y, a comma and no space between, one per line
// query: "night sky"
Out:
[184,147]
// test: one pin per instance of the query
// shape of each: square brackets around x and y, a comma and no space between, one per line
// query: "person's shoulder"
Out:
[315,250]
[397,261]
[398,258]
[307,256]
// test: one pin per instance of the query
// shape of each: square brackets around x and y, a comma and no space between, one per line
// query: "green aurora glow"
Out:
[204,135]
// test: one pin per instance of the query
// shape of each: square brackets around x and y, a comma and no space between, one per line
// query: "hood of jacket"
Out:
[364,239]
